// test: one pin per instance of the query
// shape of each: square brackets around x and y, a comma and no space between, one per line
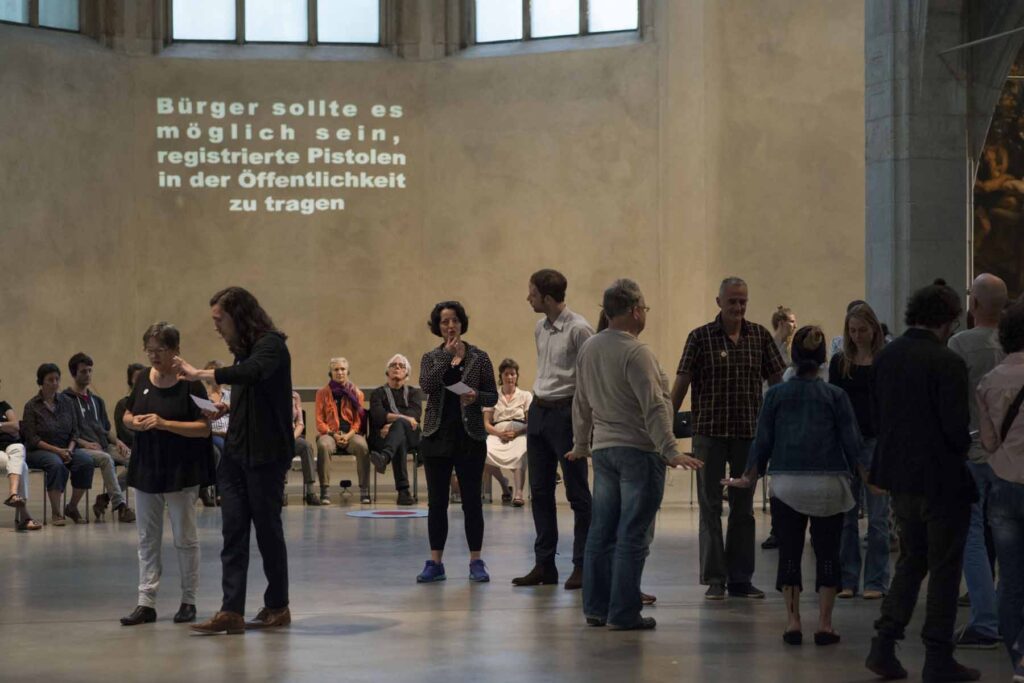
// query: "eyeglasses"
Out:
[645,309]
[156,352]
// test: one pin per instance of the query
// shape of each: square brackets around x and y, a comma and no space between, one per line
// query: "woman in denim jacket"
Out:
[459,381]
[808,432]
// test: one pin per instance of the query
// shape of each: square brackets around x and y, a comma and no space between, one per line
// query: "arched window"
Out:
[493,21]
[58,14]
[277,21]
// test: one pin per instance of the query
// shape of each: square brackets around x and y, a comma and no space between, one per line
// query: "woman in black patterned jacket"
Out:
[459,381]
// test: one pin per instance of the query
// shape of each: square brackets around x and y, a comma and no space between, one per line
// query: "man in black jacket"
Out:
[923,437]
[258,451]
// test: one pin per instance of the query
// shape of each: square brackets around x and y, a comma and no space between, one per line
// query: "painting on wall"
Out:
[999,189]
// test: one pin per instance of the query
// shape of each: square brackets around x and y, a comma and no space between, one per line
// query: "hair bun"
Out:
[939,281]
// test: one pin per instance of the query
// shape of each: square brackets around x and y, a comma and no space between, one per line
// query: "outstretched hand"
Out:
[686,462]
[185,370]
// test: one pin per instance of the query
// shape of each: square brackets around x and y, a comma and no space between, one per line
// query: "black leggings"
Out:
[440,456]
[790,530]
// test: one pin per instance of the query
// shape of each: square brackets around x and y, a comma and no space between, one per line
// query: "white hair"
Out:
[401,359]
[338,361]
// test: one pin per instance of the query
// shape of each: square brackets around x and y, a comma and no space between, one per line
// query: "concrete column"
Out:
[917,160]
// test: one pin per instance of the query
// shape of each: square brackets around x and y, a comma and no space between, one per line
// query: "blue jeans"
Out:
[1006,516]
[977,571]
[628,487]
[876,557]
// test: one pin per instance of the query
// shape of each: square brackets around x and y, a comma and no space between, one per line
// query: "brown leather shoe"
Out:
[575,580]
[231,623]
[270,618]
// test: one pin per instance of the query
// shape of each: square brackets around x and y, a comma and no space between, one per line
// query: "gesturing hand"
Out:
[185,370]
[686,462]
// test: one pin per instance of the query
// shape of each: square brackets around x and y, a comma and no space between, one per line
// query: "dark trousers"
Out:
[442,454]
[932,536]
[791,530]
[729,559]
[252,496]
[548,439]
[80,469]
[401,437]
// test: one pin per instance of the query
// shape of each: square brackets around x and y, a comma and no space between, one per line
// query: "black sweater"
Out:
[260,430]
[923,422]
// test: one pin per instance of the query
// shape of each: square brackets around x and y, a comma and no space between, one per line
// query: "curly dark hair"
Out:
[551,283]
[76,360]
[435,316]
[1011,328]
[251,321]
[933,306]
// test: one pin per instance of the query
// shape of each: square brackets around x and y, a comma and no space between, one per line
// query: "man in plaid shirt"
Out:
[726,362]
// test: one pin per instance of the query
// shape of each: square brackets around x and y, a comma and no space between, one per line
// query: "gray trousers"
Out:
[728,560]
[105,460]
[181,508]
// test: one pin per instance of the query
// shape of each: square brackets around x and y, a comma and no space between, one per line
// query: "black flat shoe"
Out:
[645,624]
[141,615]
[826,638]
[793,638]
[186,613]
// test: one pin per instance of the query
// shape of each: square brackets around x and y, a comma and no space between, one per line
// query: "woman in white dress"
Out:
[506,428]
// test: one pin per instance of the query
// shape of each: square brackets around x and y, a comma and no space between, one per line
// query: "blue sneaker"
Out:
[432,571]
[478,572]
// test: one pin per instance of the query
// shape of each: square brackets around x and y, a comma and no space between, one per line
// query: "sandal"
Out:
[58,520]
[14,501]
[28,525]
[518,502]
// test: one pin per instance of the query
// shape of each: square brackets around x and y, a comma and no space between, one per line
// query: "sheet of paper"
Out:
[459,388]
[204,404]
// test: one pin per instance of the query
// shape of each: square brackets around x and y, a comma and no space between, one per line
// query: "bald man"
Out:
[980,349]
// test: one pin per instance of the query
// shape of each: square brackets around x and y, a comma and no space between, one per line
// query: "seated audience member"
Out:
[506,429]
[123,433]
[339,418]
[97,438]
[303,451]
[395,411]
[12,462]
[1000,394]
[50,430]
[219,430]
[807,431]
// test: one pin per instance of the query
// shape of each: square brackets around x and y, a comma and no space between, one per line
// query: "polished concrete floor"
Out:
[358,614]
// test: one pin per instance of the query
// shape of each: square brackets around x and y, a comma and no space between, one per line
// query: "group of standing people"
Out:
[926,429]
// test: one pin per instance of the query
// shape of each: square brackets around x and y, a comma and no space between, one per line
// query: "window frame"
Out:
[33,19]
[312,28]
[470,25]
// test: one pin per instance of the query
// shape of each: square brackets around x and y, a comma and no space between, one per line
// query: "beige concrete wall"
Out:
[729,142]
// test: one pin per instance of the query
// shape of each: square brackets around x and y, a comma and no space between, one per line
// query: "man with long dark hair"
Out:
[258,450]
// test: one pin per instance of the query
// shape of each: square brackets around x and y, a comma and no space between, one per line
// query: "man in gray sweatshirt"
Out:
[622,417]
